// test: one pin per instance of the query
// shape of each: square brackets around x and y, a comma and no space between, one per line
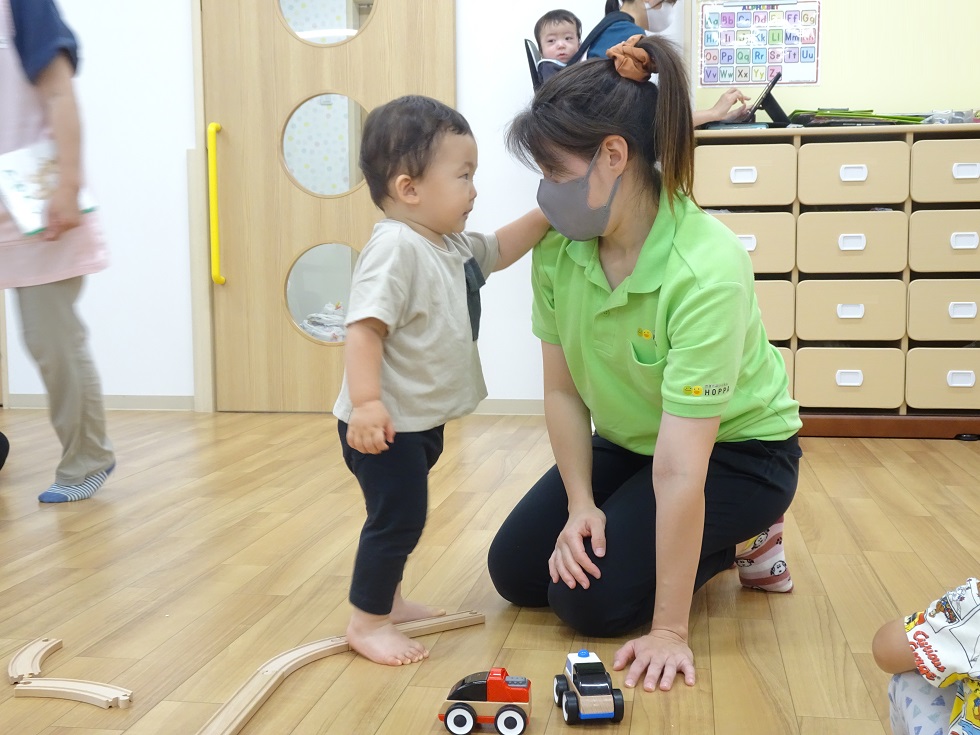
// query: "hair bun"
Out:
[632,61]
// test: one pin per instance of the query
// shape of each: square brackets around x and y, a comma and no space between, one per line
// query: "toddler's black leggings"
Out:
[395,484]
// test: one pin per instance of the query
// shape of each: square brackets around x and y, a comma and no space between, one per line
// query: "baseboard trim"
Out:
[506,407]
[113,403]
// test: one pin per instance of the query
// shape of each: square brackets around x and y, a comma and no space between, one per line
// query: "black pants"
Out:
[749,485]
[395,484]
[4,449]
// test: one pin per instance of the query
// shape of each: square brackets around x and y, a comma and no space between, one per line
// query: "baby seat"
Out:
[533,59]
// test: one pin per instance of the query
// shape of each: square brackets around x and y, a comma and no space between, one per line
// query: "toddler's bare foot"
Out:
[405,611]
[376,638]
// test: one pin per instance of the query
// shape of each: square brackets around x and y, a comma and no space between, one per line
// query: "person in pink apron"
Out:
[38,59]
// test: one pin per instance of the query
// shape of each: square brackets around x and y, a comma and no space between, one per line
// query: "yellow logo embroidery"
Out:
[697,391]
[644,333]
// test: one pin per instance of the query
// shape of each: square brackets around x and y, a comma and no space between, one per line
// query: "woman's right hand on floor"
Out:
[569,562]
[370,429]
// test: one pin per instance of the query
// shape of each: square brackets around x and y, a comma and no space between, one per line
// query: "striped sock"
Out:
[762,563]
[58,493]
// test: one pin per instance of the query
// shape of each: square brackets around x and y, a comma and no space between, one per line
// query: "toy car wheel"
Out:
[460,719]
[569,708]
[510,720]
[561,686]
[619,705]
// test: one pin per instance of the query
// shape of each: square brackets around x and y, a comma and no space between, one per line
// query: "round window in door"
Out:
[318,290]
[321,143]
[326,22]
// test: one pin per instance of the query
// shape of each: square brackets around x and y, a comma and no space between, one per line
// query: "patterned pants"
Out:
[917,707]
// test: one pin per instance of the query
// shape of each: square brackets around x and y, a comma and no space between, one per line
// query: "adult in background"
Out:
[38,59]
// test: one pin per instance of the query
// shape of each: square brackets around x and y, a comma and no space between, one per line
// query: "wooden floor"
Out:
[222,540]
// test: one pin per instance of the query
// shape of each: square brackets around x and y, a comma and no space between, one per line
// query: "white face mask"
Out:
[659,16]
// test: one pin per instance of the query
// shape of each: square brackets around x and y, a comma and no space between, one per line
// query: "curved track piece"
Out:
[90,692]
[26,663]
[231,718]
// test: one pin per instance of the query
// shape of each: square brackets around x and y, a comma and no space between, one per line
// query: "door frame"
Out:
[202,319]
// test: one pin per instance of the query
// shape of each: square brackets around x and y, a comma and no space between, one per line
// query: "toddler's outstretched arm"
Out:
[517,238]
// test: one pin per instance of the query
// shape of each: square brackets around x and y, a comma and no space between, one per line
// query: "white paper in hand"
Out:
[28,178]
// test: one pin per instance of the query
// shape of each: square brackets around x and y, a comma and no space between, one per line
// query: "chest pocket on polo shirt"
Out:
[474,282]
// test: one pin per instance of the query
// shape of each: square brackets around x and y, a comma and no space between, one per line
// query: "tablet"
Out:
[760,100]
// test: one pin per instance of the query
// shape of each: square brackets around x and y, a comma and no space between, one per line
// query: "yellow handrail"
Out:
[216,276]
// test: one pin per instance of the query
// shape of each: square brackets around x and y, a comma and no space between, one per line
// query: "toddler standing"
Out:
[412,362]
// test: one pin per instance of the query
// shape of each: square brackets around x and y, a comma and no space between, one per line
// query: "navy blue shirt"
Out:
[40,35]
[616,33]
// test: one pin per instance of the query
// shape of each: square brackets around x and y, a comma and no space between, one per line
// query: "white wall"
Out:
[136,93]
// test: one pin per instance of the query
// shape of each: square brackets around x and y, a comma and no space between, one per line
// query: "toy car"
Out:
[585,690]
[488,698]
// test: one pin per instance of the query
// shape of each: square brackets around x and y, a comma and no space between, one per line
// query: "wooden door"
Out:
[258,72]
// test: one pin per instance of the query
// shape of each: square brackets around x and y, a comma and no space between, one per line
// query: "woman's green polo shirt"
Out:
[682,334]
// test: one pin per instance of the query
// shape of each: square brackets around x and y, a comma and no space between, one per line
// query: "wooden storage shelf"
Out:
[866,241]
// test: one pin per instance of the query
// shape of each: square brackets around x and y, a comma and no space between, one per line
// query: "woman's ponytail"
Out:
[673,124]
[612,6]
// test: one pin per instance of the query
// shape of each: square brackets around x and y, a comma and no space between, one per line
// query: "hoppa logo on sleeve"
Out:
[711,389]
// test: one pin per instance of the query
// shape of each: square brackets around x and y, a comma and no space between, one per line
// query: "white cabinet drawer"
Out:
[769,238]
[854,173]
[745,175]
[776,302]
[944,240]
[850,378]
[944,310]
[852,242]
[850,310]
[943,378]
[788,360]
[946,171]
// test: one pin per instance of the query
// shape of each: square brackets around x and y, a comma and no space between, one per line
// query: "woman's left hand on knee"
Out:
[656,658]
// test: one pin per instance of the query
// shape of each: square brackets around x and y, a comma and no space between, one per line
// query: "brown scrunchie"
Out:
[632,62]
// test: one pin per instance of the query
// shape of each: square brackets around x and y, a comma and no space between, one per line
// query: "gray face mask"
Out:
[566,205]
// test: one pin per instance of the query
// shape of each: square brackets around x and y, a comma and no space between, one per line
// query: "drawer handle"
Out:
[963,310]
[749,241]
[854,172]
[961,378]
[964,240]
[852,242]
[850,378]
[966,170]
[744,174]
[850,311]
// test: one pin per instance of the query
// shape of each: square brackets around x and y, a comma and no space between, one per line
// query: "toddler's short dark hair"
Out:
[554,17]
[400,137]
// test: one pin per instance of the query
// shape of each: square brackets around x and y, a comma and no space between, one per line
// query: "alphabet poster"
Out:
[741,44]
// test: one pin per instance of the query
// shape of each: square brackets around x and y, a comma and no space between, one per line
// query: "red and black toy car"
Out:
[488,698]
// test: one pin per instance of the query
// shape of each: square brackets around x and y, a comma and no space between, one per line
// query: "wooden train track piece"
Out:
[26,663]
[90,692]
[237,711]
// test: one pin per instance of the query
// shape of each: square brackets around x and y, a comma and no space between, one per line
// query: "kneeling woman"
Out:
[649,326]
